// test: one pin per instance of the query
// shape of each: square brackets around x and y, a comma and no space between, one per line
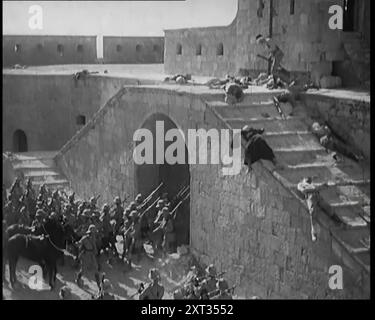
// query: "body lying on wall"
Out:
[48,50]
[350,119]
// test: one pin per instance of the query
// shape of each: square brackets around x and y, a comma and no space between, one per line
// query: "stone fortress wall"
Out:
[299,27]
[52,50]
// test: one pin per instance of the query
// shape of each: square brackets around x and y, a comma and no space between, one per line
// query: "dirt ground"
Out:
[173,268]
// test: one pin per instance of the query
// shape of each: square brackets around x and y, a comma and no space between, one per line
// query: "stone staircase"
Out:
[40,166]
[358,55]
[346,202]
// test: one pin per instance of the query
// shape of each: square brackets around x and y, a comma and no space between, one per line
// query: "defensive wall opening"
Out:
[173,176]
[20,141]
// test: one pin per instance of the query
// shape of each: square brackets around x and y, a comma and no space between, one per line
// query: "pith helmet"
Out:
[107,284]
[54,215]
[91,229]
[133,205]
[117,200]
[105,207]
[222,285]
[133,214]
[165,211]
[138,198]
[154,274]
[211,270]
[160,204]
[86,213]
[39,213]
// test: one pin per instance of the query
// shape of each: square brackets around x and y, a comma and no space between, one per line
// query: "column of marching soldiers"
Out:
[93,233]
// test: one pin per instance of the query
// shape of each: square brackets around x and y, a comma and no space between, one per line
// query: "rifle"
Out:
[149,207]
[276,103]
[268,59]
[97,197]
[149,197]
[231,289]
[176,207]
[140,289]
[200,279]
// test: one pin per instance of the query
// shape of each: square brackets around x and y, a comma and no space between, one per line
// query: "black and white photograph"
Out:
[186,150]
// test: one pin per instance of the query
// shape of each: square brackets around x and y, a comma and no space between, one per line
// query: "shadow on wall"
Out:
[174,177]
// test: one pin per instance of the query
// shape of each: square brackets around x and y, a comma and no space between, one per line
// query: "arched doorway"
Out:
[174,177]
[19,141]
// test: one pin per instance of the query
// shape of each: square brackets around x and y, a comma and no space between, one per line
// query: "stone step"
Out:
[295,157]
[347,194]
[270,124]
[248,111]
[352,239]
[302,140]
[33,163]
[253,95]
[322,173]
[53,184]
[348,213]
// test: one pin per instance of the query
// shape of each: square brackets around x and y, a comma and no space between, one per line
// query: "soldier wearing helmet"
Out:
[117,214]
[87,256]
[223,291]
[209,284]
[154,290]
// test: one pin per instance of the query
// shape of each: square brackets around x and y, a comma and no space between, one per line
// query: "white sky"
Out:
[120,18]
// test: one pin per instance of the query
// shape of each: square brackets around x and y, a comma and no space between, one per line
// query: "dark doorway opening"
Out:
[349,15]
[19,141]
[174,177]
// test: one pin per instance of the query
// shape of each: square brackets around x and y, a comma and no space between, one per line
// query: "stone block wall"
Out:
[302,34]
[200,51]
[350,119]
[248,225]
[47,50]
[133,49]
[46,107]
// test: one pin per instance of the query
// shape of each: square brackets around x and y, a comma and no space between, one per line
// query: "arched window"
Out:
[60,49]
[220,49]
[17,48]
[118,48]
[39,47]
[19,141]
[179,49]
[80,48]
[138,48]
[81,120]
[198,51]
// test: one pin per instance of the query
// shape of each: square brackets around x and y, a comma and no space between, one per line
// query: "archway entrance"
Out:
[174,177]
[19,141]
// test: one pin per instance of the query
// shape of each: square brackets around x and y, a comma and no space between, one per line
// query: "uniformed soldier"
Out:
[138,199]
[84,222]
[16,191]
[105,294]
[87,255]
[169,234]
[209,284]
[117,214]
[92,205]
[24,217]
[223,291]
[38,222]
[153,291]
[136,244]
[107,229]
